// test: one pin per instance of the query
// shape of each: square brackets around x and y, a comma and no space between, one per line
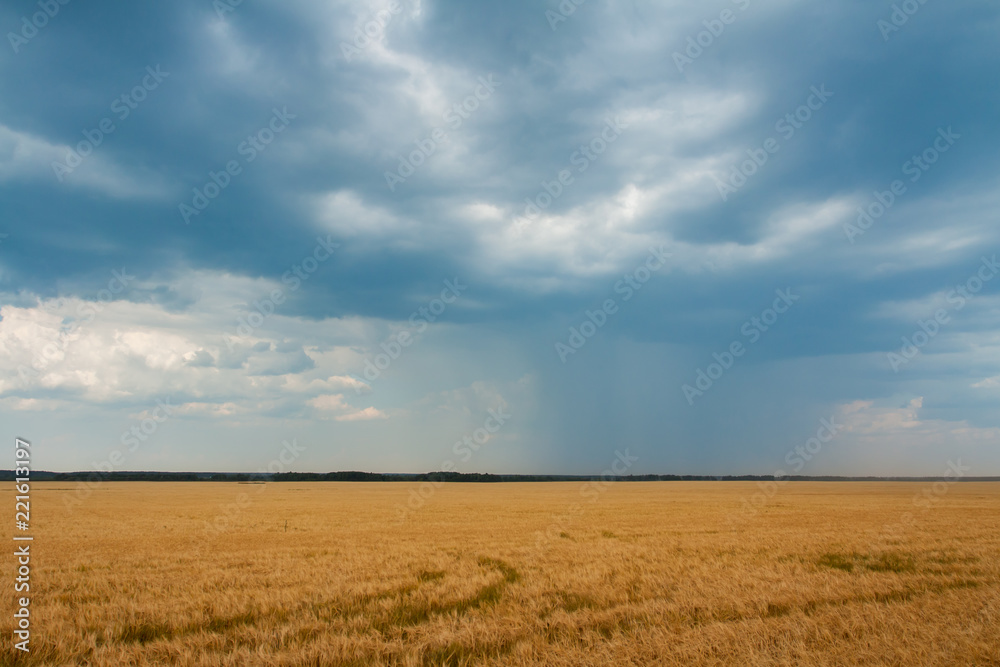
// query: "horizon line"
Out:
[454,476]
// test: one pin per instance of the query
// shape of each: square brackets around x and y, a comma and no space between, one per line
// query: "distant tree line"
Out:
[355,476]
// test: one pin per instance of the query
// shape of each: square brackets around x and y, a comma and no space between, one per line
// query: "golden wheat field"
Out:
[568,573]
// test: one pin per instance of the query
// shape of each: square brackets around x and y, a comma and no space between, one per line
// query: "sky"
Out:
[733,237]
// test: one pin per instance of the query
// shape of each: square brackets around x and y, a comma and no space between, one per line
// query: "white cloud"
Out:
[344,213]
[869,425]
[342,411]
[94,352]
[329,402]
[362,415]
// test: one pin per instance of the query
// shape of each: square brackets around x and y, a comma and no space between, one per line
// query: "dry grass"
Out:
[650,573]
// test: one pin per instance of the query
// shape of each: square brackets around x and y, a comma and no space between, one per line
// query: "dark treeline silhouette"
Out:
[355,476]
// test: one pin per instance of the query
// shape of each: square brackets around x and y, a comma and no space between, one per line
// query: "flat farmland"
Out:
[566,573]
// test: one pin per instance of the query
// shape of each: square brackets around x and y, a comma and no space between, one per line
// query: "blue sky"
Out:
[690,230]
